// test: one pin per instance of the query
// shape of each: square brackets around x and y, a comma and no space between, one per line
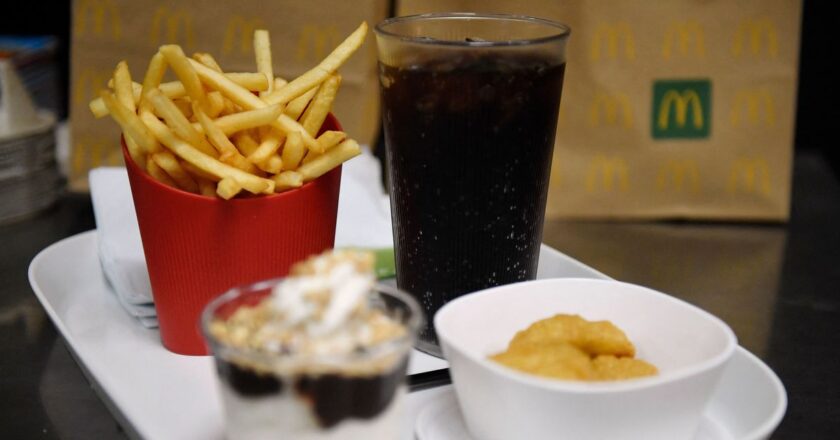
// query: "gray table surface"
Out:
[776,285]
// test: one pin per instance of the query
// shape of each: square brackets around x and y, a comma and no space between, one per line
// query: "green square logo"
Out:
[682,109]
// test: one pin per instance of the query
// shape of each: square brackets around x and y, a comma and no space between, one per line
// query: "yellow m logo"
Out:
[750,175]
[243,27]
[680,34]
[678,175]
[315,42]
[752,31]
[95,11]
[87,84]
[612,171]
[606,107]
[750,102]
[682,101]
[608,35]
[178,23]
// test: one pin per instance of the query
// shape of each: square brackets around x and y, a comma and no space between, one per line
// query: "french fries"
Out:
[167,162]
[293,151]
[298,105]
[123,87]
[248,181]
[131,124]
[254,82]
[288,180]
[175,119]
[266,149]
[179,63]
[248,119]
[158,174]
[329,160]
[217,133]
[249,101]
[321,104]
[272,165]
[331,138]
[207,60]
[319,73]
[154,75]
[124,91]
[262,50]
[228,188]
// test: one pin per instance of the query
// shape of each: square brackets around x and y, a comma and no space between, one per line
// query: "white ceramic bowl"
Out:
[688,345]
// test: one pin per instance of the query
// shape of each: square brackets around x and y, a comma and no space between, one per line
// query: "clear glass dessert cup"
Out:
[313,397]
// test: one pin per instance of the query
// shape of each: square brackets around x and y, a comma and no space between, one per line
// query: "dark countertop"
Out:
[776,285]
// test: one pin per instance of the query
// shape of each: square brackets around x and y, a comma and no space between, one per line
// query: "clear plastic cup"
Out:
[469,109]
[285,395]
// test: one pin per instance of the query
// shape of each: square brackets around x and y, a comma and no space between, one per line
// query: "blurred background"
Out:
[37,37]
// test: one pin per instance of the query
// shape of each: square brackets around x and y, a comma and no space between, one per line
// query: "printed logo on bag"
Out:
[751,37]
[172,26]
[243,28]
[681,109]
[678,175]
[752,107]
[749,175]
[89,153]
[680,35]
[315,42]
[95,16]
[607,174]
[608,40]
[88,82]
[606,109]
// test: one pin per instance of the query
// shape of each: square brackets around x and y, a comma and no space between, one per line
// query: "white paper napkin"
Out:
[364,220]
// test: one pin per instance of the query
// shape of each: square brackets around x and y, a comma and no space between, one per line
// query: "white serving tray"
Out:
[155,394]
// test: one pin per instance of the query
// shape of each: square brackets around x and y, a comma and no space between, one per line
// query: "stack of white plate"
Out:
[29,178]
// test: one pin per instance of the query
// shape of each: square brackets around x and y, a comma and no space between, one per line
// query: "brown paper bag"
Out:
[302,33]
[729,270]
[670,109]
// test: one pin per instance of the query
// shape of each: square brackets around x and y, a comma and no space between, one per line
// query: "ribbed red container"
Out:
[197,247]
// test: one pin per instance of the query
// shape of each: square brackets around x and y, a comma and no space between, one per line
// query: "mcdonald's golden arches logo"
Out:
[315,42]
[100,14]
[607,108]
[749,175]
[243,28]
[678,175]
[674,101]
[750,35]
[750,106]
[88,82]
[607,173]
[608,38]
[178,24]
[679,35]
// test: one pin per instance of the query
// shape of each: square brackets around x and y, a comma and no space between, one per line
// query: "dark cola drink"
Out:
[469,146]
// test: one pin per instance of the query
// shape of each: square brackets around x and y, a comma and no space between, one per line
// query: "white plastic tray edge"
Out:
[555,265]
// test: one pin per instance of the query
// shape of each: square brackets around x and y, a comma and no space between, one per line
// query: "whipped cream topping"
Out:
[321,308]
[322,303]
